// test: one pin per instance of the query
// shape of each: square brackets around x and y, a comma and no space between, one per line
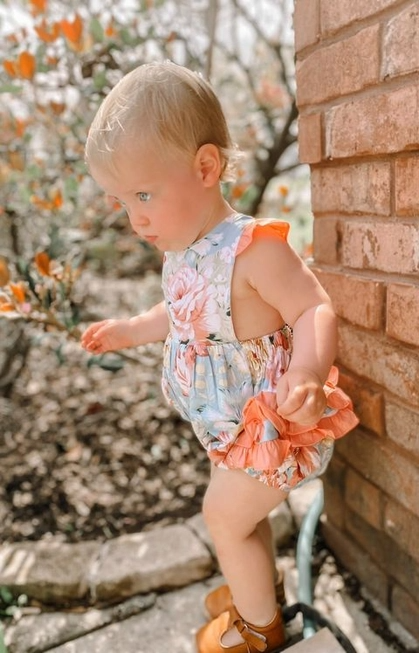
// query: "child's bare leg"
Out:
[235,507]
[265,532]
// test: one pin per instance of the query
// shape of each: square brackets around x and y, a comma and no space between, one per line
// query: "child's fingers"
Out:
[92,335]
[308,412]
[293,401]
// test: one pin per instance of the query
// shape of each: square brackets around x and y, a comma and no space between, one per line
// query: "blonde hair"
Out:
[161,104]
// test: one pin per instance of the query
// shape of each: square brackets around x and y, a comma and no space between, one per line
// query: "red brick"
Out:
[339,69]
[403,312]
[386,553]
[363,498]
[310,138]
[402,425]
[377,245]
[368,402]
[361,188]
[386,363]
[334,491]
[377,124]
[403,527]
[406,610]
[407,184]
[306,23]
[326,240]
[356,299]
[357,560]
[400,43]
[337,14]
[384,465]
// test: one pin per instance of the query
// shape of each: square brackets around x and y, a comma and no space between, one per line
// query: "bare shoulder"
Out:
[266,256]
[272,269]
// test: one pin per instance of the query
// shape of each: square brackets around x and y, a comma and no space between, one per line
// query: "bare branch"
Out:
[212,25]
[276,47]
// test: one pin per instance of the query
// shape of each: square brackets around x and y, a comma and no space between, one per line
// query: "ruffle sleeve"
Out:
[274,229]
[257,447]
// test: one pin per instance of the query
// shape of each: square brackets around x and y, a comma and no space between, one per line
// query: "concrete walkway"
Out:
[144,592]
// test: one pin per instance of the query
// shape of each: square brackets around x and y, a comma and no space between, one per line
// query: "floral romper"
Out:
[226,387]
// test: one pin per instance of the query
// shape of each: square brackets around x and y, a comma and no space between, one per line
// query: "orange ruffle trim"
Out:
[250,450]
[263,229]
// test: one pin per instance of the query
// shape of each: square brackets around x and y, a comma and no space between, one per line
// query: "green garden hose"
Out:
[304,558]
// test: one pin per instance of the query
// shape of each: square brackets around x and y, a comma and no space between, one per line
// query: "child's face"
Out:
[166,200]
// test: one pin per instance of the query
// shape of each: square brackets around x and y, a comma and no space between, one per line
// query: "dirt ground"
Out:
[89,453]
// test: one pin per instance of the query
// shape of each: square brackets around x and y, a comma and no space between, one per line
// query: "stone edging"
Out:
[91,573]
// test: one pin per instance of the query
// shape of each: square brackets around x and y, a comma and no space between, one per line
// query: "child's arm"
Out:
[300,394]
[281,278]
[111,335]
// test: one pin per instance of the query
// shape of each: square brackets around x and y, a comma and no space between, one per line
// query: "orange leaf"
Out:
[42,262]
[52,61]
[7,306]
[110,30]
[46,33]
[238,191]
[308,251]
[26,65]
[113,203]
[12,38]
[10,67]
[38,6]
[20,126]
[72,30]
[57,107]
[4,272]
[40,203]
[283,190]
[16,160]
[18,290]
[57,200]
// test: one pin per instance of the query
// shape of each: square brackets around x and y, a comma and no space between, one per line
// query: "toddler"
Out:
[250,335]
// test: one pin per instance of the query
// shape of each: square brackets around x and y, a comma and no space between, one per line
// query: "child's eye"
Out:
[144,197]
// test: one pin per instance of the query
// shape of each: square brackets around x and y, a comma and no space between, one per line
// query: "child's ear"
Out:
[208,164]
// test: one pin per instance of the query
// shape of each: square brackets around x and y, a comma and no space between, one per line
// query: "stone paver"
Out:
[160,559]
[47,630]
[321,642]
[170,625]
[49,571]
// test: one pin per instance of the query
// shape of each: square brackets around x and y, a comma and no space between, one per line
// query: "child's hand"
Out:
[300,396]
[108,335]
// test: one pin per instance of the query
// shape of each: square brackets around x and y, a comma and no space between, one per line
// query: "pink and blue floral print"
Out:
[225,387]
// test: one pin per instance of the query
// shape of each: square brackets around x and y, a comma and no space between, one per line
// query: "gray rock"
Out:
[49,571]
[169,626]
[132,564]
[34,634]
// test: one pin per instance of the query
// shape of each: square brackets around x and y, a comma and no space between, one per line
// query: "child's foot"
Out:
[220,599]
[229,632]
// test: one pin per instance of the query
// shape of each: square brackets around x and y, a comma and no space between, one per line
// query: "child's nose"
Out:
[138,218]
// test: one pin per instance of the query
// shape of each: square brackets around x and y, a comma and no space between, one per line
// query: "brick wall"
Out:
[358,96]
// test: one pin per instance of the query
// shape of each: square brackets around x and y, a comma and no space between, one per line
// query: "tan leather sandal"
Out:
[257,639]
[220,599]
